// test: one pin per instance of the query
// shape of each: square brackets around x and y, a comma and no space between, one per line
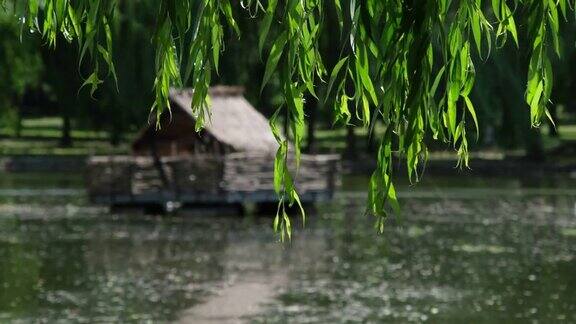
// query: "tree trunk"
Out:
[535,146]
[66,137]
[350,142]
[115,135]
[19,120]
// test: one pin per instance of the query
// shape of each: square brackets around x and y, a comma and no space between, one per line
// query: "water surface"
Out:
[465,249]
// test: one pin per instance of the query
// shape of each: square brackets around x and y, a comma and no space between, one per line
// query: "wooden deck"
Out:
[204,179]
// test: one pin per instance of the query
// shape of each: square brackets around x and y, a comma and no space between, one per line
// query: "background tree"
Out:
[20,68]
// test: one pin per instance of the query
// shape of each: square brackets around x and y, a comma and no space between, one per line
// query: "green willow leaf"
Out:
[472,111]
[274,58]
[334,75]
[266,23]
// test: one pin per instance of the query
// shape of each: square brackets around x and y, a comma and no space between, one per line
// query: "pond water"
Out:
[465,249]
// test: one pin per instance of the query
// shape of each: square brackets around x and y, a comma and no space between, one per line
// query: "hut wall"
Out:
[255,172]
[177,137]
[235,177]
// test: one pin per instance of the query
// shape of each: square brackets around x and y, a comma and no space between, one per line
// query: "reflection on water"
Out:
[482,251]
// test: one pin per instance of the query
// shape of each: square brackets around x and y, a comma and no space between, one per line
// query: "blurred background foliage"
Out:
[21,69]
[40,100]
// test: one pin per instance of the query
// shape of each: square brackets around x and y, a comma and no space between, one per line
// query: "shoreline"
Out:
[362,165]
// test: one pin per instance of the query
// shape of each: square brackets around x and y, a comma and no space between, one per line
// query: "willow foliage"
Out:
[408,63]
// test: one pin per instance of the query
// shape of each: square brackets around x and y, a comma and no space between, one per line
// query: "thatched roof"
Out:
[233,120]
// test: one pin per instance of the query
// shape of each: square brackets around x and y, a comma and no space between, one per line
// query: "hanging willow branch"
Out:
[407,63]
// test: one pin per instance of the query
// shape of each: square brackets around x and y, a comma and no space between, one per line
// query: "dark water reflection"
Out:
[483,250]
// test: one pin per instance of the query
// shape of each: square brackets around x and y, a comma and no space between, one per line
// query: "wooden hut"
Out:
[234,125]
[230,161]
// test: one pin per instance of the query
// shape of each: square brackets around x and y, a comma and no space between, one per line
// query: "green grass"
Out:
[334,140]
[50,128]
[41,136]
[50,147]
[567,132]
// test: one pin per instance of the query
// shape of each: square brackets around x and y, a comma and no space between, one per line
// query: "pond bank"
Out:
[361,165]
[43,163]
[477,166]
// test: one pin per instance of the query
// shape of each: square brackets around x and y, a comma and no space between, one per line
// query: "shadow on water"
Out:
[483,250]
